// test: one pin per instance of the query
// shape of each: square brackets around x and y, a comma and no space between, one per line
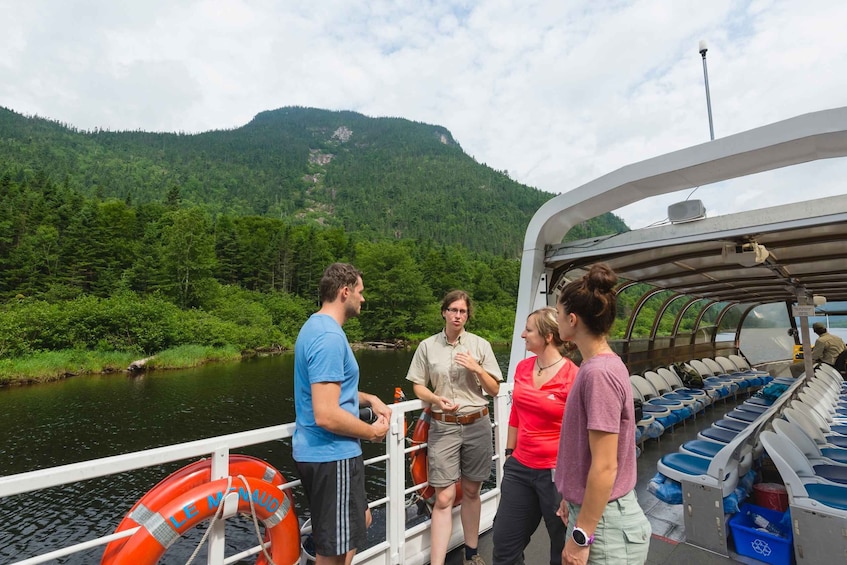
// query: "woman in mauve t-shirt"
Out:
[595,468]
[527,491]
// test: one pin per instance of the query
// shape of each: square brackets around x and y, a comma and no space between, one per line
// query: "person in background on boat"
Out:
[596,468]
[827,347]
[327,434]
[527,491]
[461,368]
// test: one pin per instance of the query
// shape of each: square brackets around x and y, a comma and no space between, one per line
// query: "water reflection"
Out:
[90,417]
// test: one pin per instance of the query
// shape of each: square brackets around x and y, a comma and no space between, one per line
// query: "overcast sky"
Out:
[555,92]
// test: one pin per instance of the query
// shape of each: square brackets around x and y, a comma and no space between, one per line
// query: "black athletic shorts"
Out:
[337,499]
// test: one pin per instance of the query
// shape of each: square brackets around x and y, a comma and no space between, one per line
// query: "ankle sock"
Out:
[470,552]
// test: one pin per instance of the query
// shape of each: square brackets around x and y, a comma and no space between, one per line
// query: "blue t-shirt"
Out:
[322,354]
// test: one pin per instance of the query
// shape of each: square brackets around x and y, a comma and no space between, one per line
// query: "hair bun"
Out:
[601,277]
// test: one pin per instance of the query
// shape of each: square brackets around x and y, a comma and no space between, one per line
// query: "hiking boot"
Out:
[475,560]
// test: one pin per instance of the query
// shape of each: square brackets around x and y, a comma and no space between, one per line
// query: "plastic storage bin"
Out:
[771,495]
[751,541]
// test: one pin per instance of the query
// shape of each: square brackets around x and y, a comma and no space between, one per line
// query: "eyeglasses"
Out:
[459,311]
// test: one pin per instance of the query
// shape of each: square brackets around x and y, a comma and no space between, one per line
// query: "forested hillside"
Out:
[378,177]
[140,242]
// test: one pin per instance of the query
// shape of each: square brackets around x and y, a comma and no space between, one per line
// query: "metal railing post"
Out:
[395,477]
[217,541]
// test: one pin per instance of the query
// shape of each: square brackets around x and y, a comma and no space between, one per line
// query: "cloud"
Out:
[556,93]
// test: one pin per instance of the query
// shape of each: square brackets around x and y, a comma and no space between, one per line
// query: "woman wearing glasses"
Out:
[453,370]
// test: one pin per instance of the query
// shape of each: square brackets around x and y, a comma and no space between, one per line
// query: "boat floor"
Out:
[667,547]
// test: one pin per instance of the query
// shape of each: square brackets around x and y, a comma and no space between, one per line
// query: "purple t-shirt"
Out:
[600,400]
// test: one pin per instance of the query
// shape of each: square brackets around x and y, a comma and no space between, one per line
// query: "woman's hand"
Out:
[467,361]
[574,554]
[446,405]
[562,512]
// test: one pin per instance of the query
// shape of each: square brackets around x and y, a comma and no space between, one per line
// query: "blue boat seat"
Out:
[834,473]
[732,425]
[758,401]
[756,408]
[828,495]
[742,415]
[717,434]
[701,447]
[685,466]
[804,489]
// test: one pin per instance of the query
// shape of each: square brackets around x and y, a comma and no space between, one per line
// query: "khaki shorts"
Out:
[456,450]
[622,535]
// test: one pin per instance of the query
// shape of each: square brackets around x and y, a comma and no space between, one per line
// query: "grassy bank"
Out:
[55,365]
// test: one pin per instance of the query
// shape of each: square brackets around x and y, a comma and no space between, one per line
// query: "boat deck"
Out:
[667,546]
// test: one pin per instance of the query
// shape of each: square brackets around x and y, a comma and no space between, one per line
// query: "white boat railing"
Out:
[401,545]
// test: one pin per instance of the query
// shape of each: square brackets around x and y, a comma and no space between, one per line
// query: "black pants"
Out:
[526,496]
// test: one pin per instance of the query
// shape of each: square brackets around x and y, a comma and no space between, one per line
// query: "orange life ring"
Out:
[180,482]
[273,507]
[419,464]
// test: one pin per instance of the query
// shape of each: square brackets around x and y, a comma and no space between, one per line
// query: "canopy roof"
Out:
[806,244]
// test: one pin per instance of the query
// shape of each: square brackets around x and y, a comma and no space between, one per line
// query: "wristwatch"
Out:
[581,537]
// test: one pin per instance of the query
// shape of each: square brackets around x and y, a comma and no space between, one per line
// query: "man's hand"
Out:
[379,428]
[379,407]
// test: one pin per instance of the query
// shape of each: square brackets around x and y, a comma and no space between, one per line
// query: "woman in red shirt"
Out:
[527,491]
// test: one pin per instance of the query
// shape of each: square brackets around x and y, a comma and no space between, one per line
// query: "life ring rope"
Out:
[270,522]
[215,518]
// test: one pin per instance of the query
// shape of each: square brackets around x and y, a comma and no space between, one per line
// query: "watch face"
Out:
[579,537]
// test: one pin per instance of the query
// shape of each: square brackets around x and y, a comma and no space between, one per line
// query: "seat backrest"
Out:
[777,447]
[658,382]
[727,365]
[671,377]
[823,383]
[798,417]
[740,362]
[798,437]
[816,406]
[828,371]
[635,392]
[713,366]
[701,368]
[644,387]
[812,414]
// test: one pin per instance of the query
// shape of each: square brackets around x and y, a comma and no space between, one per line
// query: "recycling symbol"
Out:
[761,547]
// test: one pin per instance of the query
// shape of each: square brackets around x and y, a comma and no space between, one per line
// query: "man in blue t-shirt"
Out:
[328,429]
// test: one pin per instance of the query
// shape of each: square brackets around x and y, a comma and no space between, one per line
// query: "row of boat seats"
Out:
[667,401]
[724,452]
[809,445]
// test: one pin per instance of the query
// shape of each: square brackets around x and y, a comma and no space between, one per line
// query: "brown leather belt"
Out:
[463,419]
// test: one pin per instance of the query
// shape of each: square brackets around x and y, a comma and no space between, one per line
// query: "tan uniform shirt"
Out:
[433,366]
[827,347]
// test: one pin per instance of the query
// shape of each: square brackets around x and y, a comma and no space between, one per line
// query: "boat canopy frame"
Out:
[805,240]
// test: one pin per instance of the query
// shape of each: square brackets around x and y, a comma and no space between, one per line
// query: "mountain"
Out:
[378,177]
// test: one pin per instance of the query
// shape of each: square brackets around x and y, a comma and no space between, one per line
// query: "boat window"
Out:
[706,327]
[645,318]
[628,299]
[689,317]
[764,334]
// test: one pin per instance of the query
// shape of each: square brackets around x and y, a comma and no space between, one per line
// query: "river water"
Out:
[89,417]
